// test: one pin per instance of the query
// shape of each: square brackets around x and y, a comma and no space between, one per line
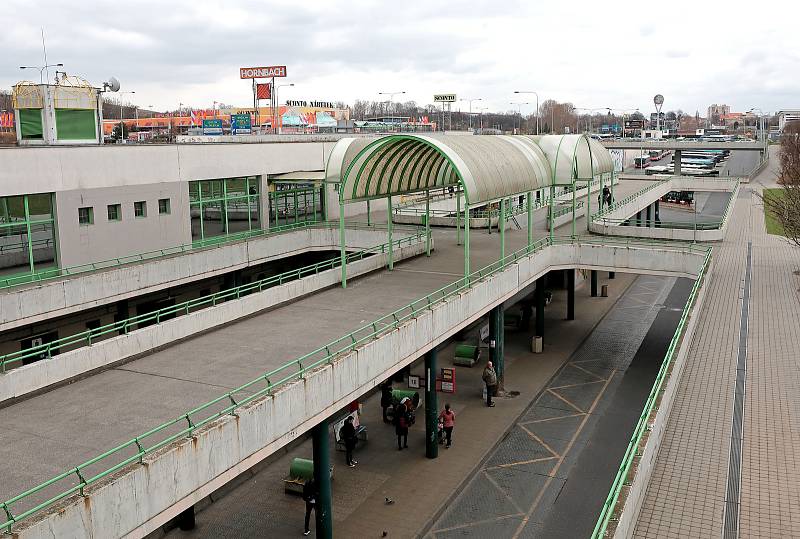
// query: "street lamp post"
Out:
[480,112]
[391,95]
[277,106]
[121,122]
[470,108]
[41,69]
[519,112]
[537,105]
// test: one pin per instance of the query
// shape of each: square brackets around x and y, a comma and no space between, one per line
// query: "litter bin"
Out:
[604,291]
[400,394]
[537,345]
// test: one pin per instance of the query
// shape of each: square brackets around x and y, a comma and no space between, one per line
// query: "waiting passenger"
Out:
[348,435]
[402,420]
[386,399]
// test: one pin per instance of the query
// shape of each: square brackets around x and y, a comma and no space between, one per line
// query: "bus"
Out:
[656,155]
[641,162]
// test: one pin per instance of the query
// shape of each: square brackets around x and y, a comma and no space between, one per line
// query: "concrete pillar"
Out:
[677,162]
[570,294]
[657,215]
[185,519]
[431,406]
[496,341]
[648,215]
[639,218]
[612,274]
[323,512]
[594,283]
[539,298]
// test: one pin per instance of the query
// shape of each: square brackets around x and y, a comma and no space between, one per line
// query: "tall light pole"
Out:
[122,123]
[519,111]
[537,105]
[278,106]
[590,111]
[391,95]
[762,116]
[624,112]
[480,111]
[470,108]
[41,69]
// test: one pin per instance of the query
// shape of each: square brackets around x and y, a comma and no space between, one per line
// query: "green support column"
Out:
[369,217]
[28,232]
[322,478]
[539,299]
[612,187]
[570,294]
[550,212]
[589,203]
[648,215]
[574,204]
[389,226]
[431,406]
[594,283]
[458,218]
[427,222]
[342,252]
[466,241]
[530,218]
[497,339]
[501,223]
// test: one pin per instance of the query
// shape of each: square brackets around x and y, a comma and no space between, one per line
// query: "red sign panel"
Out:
[262,72]
[263,91]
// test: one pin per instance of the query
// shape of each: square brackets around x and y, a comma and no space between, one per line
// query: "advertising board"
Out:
[444,98]
[262,72]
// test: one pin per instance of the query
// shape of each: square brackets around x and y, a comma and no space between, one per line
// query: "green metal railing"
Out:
[184,425]
[86,338]
[682,225]
[53,273]
[632,451]
[627,200]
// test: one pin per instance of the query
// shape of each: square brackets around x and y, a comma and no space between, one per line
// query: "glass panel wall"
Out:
[27,234]
[295,202]
[224,207]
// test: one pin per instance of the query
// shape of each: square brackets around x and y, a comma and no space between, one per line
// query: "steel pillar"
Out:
[431,406]
[648,215]
[466,241]
[501,223]
[594,283]
[342,252]
[539,298]
[657,216]
[530,218]
[497,341]
[639,218]
[458,218]
[389,227]
[570,294]
[323,511]
[677,162]
[427,222]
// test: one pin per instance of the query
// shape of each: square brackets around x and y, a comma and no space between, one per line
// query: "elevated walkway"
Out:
[150,478]
[674,144]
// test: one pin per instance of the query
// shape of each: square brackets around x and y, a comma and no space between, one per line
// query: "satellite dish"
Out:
[112,84]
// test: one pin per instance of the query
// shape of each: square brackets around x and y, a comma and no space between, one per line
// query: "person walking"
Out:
[490,379]
[348,436]
[310,497]
[448,418]
[386,399]
[401,423]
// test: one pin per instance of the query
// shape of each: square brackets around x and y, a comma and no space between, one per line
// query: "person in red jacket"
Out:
[448,418]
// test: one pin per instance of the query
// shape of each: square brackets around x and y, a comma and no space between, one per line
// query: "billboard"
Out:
[634,124]
[444,98]
[263,91]
[262,72]
[241,124]
[212,127]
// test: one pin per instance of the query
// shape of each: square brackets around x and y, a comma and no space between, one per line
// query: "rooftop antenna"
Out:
[44,52]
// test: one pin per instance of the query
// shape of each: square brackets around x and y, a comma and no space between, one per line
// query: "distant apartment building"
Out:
[786,116]
[715,111]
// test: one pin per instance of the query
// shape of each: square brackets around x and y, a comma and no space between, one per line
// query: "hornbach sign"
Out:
[262,72]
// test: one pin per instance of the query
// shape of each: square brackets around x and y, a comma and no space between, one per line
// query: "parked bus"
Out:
[641,162]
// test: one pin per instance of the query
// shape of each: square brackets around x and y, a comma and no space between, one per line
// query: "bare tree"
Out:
[785,205]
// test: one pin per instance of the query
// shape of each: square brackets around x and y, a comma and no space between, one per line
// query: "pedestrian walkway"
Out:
[527,485]
[419,487]
[692,481]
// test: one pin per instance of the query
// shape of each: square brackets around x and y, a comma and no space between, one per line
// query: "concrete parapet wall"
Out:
[143,496]
[23,380]
[36,302]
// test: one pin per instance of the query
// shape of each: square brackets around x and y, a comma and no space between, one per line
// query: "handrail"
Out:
[86,338]
[682,225]
[53,273]
[631,452]
[226,404]
[630,198]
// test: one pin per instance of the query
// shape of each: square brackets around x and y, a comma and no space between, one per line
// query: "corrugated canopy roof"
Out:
[488,167]
[574,157]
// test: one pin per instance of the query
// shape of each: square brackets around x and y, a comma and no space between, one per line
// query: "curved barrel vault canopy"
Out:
[574,157]
[488,167]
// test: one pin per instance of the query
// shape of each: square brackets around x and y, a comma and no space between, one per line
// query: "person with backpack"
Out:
[448,418]
[310,497]
[401,424]
[348,436]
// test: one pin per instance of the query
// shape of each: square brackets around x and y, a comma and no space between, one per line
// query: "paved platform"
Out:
[689,490]
[420,487]
[50,433]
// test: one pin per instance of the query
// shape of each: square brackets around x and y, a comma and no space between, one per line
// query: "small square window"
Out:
[163,206]
[86,216]
[140,209]
[114,212]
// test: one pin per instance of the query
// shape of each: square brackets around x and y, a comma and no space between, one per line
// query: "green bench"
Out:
[466,355]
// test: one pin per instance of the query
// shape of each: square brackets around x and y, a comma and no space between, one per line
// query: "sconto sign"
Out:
[262,72]
[444,98]
[313,104]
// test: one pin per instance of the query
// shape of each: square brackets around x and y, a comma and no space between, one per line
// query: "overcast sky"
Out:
[594,54]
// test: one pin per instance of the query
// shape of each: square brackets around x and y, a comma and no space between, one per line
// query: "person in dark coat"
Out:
[348,436]
[490,379]
[401,423]
[386,400]
[310,497]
